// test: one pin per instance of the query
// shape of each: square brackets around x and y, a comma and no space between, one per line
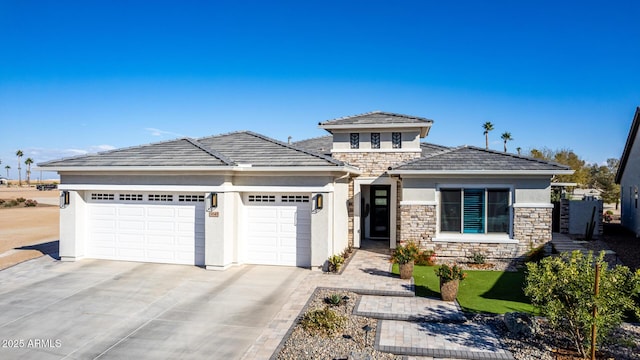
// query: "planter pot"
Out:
[406,270]
[449,290]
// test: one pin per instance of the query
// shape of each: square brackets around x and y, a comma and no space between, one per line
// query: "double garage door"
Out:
[146,227]
[278,229]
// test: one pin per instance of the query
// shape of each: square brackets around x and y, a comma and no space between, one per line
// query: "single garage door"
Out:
[146,227]
[278,229]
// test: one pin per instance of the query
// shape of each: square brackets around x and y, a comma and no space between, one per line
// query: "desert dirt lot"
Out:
[23,227]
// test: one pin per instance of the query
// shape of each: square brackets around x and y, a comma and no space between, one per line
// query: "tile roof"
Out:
[180,152]
[321,145]
[377,118]
[243,147]
[430,149]
[465,158]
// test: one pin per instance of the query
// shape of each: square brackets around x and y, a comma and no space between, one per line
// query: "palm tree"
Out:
[506,136]
[28,162]
[518,149]
[488,126]
[19,154]
[7,168]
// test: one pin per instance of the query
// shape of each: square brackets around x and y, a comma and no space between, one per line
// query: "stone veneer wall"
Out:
[373,163]
[532,227]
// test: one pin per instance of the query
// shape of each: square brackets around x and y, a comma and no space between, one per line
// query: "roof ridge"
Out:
[377,112]
[111,151]
[541,161]
[313,138]
[278,142]
[439,152]
[211,152]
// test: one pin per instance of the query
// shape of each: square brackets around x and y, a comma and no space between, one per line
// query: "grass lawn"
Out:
[495,292]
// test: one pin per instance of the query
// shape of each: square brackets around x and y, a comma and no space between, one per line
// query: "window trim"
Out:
[396,135]
[375,144]
[447,236]
[354,140]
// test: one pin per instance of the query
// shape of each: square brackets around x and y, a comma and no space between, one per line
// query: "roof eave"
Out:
[480,172]
[343,168]
[635,124]
[240,168]
[425,126]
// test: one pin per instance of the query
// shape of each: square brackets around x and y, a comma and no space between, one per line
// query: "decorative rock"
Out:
[520,324]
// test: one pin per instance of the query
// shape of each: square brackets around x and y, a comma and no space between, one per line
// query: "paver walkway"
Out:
[409,309]
[386,296]
[441,340]
[563,243]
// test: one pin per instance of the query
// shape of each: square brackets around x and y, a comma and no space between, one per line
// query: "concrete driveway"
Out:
[122,310]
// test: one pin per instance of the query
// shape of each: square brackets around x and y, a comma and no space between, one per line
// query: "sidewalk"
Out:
[409,325]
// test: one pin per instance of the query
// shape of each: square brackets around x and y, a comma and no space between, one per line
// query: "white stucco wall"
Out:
[340,216]
[73,227]
[630,181]
[410,139]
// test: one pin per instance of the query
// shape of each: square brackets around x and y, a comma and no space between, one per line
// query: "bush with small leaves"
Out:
[477,258]
[335,263]
[21,199]
[563,289]
[426,258]
[323,321]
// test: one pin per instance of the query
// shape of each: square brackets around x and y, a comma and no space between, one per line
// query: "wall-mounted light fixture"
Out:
[635,195]
[64,199]
[319,202]
[213,200]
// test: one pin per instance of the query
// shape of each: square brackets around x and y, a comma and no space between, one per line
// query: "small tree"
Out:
[506,136]
[488,126]
[563,289]
[19,154]
[28,162]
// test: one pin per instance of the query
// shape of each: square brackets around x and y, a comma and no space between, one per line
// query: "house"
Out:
[628,176]
[243,198]
[4,180]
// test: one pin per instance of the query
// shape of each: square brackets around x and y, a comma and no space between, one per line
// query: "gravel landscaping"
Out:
[352,343]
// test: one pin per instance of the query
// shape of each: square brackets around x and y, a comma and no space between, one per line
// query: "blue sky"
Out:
[86,76]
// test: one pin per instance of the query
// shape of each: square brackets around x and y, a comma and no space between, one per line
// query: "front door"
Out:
[380,211]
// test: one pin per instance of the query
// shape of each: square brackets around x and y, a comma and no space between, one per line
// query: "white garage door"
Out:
[147,227]
[278,229]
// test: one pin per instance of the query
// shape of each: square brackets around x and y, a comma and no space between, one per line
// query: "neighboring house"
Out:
[3,180]
[628,176]
[244,198]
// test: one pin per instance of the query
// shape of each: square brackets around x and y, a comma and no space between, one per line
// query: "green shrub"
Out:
[10,203]
[426,258]
[2,201]
[335,263]
[563,289]
[477,258]
[21,199]
[405,253]
[448,273]
[323,321]
[333,299]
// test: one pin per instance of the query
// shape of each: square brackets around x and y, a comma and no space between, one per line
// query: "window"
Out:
[262,198]
[295,198]
[474,211]
[375,140]
[354,139]
[396,140]
[156,197]
[191,198]
[95,196]
[130,197]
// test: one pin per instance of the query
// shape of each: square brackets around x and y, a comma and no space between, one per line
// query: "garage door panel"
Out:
[278,232]
[127,225]
[135,211]
[169,232]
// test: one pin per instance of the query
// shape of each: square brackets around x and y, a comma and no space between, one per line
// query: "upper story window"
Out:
[354,139]
[396,140]
[375,140]
[474,211]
